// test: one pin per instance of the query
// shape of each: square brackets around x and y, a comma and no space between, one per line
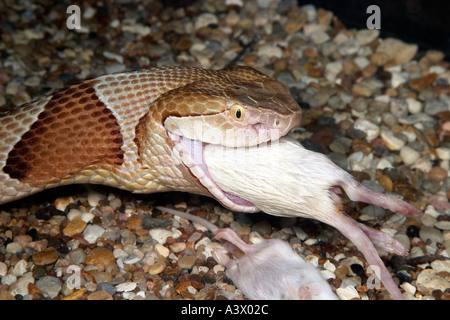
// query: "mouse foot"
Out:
[384,241]
[230,236]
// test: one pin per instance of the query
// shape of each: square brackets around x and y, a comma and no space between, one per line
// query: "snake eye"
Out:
[238,112]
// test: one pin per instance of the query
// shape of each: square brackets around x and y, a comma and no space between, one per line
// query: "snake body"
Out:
[142,131]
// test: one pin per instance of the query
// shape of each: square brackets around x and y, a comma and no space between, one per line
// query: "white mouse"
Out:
[269,270]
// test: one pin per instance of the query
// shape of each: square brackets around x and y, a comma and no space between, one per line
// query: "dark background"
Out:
[425,23]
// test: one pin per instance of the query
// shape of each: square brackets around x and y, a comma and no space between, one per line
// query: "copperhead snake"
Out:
[142,131]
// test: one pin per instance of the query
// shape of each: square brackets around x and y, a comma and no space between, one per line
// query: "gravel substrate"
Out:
[378,107]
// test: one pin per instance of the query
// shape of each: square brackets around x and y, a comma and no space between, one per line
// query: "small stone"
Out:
[432,234]
[370,129]
[74,227]
[399,108]
[386,182]
[186,262]
[391,141]
[414,106]
[77,295]
[177,247]
[162,250]
[434,106]
[271,51]
[77,256]
[443,225]
[205,20]
[5,295]
[45,257]
[348,47]
[319,37]
[134,222]
[62,203]
[347,293]
[20,268]
[100,257]
[421,84]
[443,153]
[94,197]
[160,235]
[100,295]
[434,56]
[74,214]
[366,36]
[87,217]
[126,286]
[105,286]
[437,174]
[409,155]
[156,268]
[397,50]
[14,248]
[92,233]
[367,87]
[21,285]
[432,281]
[324,17]
[3,269]
[49,285]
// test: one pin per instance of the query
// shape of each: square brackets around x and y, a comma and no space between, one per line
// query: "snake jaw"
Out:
[190,153]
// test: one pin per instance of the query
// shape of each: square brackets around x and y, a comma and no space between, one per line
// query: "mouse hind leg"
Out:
[358,192]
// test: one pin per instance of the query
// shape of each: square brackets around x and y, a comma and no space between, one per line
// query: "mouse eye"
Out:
[238,112]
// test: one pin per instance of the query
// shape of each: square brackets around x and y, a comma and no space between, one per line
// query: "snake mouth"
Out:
[190,153]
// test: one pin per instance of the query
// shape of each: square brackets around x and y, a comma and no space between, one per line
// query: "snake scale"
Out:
[142,131]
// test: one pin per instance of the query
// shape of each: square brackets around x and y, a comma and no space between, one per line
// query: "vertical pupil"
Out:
[238,113]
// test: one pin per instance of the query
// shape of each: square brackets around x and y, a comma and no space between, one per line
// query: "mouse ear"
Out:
[303,293]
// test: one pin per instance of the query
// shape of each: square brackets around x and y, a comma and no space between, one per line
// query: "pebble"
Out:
[100,295]
[49,285]
[397,50]
[14,248]
[414,106]
[92,233]
[177,247]
[432,281]
[366,36]
[370,129]
[134,222]
[186,262]
[77,256]
[162,250]
[409,155]
[20,268]
[94,198]
[100,256]
[45,257]
[391,141]
[347,293]
[157,268]
[3,269]
[126,286]
[74,227]
[428,233]
[438,174]
[160,235]
[21,285]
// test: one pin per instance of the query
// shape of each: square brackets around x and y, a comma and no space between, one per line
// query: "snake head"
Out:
[229,111]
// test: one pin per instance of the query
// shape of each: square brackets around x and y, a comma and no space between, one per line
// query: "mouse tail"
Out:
[211,227]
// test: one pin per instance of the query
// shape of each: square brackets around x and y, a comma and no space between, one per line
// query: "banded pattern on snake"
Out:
[142,131]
